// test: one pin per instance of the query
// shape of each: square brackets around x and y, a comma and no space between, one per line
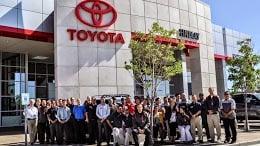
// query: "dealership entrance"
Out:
[25,67]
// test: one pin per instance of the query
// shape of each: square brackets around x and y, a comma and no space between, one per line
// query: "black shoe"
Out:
[211,141]
[200,141]
[227,141]
[233,141]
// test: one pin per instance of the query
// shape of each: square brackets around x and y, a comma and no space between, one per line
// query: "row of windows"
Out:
[40,68]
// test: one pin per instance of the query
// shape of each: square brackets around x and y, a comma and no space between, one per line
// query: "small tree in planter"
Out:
[244,73]
[153,60]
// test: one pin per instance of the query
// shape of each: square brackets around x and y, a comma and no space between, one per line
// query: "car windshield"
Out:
[257,95]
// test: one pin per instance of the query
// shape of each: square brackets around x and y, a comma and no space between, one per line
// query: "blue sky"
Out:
[240,15]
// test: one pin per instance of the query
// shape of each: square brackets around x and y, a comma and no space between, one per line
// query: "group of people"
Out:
[68,121]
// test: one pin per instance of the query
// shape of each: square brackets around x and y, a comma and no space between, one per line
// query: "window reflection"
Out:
[41,68]
[41,92]
[50,69]
[32,91]
[12,88]
[41,80]
[11,59]
[10,104]
[31,67]
[13,73]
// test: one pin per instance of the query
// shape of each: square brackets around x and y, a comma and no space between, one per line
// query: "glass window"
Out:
[23,76]
[51,90]
[10,104]
[22,62]
[31,80]
[8,88]
[41,80]
[15,113]
[23,86]
[12,88]
[139,89]
[41,92]
[50,69]
[32,92]
[11,73]
[51,79]
[10,59]
[190,88]
[41,68]
[31,67]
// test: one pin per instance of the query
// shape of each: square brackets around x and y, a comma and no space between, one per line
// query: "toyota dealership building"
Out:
[76,48]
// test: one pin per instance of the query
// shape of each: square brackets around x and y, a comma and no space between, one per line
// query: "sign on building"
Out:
[25,98]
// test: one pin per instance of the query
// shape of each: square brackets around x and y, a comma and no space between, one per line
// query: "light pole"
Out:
[246,109]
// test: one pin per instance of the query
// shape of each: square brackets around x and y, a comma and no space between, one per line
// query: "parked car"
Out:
[109,96]
[253,104]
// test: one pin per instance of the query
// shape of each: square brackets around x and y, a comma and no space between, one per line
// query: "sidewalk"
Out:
[244,138]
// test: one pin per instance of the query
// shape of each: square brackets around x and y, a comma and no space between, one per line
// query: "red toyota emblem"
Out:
[101,13]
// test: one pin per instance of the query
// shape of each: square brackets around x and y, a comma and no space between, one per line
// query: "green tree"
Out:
[153,59]
[244,73]
[243,70]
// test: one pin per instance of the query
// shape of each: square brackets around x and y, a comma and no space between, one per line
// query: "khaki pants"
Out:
[32,129]
[214,122]
[196,123]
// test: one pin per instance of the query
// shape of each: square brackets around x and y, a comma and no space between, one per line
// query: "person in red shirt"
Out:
[130,105]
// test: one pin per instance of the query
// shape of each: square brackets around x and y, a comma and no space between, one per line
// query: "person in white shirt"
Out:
[31,115]
[102,112]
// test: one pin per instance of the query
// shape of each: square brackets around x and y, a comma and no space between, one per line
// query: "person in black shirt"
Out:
[204,115]
[183,103]
[183,121]
[92,125]
[51,114]
[48,133]
[212,107]
[141,125]
[115,121]
[72,123]
[195,112]
[42,121]
[127,125]
[170,117]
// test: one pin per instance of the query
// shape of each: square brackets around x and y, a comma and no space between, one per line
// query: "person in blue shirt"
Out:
[80,115]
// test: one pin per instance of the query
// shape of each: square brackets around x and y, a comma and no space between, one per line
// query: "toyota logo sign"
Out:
[97,14]
[101,13]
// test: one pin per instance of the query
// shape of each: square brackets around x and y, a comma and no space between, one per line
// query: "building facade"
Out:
[78,48]
[225,46]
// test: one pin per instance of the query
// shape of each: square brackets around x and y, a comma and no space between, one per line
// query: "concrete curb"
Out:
[246,143]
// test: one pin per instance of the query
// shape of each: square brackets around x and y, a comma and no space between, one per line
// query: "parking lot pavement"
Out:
[244,138]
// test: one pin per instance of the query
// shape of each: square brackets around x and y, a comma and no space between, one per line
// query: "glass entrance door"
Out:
[13,81]
[20,75]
